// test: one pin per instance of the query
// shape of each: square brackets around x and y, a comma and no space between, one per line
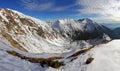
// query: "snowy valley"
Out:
[30,44]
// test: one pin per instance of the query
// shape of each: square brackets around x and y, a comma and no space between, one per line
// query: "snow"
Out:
[67,25]
[87,20]
[11,63]
[106,57]
[1,14]
[33,43]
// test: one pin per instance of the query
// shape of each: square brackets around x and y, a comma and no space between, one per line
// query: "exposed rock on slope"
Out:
[67,44]
[23,31]
[36,36]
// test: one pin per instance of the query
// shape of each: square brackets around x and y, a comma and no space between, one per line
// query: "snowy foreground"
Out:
[106,58]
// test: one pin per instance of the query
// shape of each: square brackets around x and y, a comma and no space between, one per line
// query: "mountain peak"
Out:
[85,20]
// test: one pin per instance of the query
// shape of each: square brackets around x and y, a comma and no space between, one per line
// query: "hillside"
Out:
[30,44]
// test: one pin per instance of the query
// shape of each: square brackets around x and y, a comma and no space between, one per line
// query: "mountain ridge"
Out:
[37,36]
[30,44]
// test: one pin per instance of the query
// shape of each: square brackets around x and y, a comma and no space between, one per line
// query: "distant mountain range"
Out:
[112,25]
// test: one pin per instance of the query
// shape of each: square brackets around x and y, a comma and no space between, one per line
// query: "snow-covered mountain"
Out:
[82,29]
[29,44]
[36,36]
[26,33]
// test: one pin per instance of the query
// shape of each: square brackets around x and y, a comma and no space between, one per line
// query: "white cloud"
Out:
[63,7]
[36,5]
[106,9]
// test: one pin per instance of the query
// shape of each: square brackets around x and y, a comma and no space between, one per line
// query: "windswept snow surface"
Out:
[12,63]
[106,57]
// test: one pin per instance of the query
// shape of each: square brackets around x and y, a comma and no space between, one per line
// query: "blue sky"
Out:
[102,11]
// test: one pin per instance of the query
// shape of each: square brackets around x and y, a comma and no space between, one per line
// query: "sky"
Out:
[102,11]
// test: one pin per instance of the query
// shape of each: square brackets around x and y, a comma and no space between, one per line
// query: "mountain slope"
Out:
[29,44]
[106,58]
[36,36]
[24,32]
